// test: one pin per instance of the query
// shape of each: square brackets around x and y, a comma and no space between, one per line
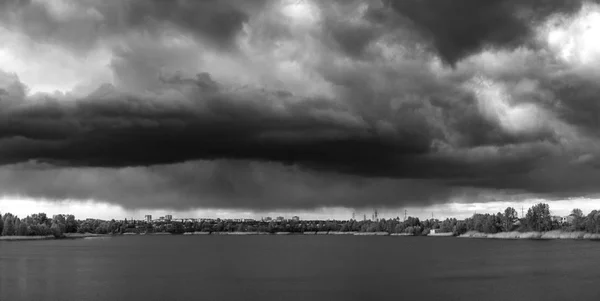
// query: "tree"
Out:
[509,218]
[460,228]
[71,224]
[9,225]
[61,221]
[177,228]
[593,222]
[56,230]
[22,229]
[1,224]
[578,219]
[538,217]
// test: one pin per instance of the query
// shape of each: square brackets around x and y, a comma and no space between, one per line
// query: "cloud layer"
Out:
[302,104]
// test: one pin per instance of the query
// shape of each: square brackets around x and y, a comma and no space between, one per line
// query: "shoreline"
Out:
[51,237]
[549,235]
[24,238]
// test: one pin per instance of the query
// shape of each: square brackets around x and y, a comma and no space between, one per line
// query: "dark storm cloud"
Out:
[221,184]
[579,105]
[460,28]
[110,128]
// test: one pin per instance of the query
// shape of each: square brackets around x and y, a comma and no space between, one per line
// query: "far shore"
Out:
[556,234]
[48,237]
[20,238]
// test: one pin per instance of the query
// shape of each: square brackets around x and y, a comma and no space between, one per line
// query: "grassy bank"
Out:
[557,234]
[84,235]
[440,234]
[21,238]
[65,236]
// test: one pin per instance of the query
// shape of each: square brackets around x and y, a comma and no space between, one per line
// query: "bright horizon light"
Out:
[91,209]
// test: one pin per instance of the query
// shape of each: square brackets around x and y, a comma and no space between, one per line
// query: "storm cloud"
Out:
[305,104]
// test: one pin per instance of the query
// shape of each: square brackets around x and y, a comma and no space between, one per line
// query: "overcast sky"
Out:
[321,108]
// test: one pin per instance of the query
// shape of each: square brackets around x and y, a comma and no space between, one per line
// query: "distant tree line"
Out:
[37,225]
[538,218]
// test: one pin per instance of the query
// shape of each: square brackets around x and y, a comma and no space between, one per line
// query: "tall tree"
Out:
[509,218]
[56,230]
[578,219]
[71,224]
[593,222]
[22,229]
[538,217]
[9,225]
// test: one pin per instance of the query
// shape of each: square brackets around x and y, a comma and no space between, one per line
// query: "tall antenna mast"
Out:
[522,212]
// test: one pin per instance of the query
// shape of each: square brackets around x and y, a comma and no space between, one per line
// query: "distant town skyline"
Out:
[24,207]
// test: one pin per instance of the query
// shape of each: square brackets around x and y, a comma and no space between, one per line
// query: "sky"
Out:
[298,107]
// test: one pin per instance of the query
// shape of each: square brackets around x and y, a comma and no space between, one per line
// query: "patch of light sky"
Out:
[48,68]
[575,40]
[91,209]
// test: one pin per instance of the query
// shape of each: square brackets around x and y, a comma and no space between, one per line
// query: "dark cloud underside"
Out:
[459,28]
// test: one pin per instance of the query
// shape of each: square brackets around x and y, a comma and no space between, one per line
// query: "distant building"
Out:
[162,218]
[280,218]
[168,217]
[148,218]
[560,219]
[570,219]
[249,220]
[296,218]
[267,219]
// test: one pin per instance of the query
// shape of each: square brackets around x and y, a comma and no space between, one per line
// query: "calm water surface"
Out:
[298,268]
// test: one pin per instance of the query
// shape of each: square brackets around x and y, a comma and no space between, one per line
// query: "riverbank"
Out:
[280,233]
[557,234]
[48,237]
[84,235]
[444,234]
[22,238]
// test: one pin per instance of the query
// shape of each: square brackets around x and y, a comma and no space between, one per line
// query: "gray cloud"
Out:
[222,184]
[459,28]
[214,22]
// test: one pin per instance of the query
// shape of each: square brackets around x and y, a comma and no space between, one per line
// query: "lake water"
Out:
[298,268]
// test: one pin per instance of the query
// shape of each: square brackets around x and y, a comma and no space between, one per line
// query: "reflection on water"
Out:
[298,268]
